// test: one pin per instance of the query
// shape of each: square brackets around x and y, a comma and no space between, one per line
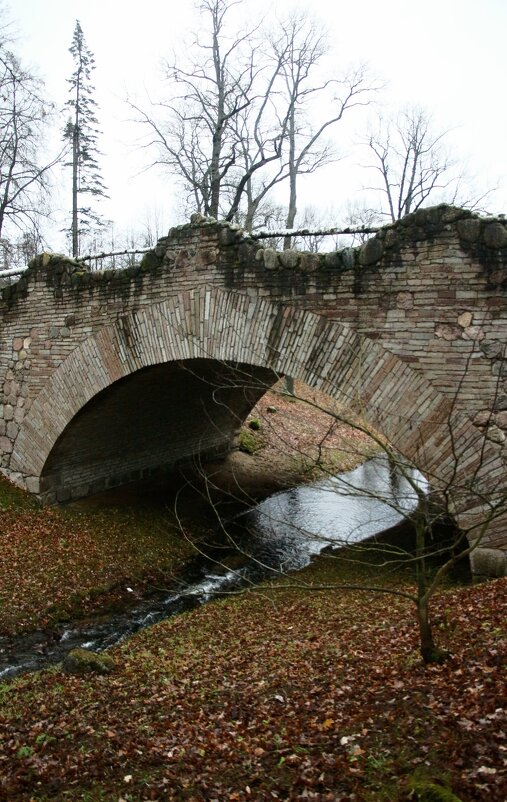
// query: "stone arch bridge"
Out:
[107,376]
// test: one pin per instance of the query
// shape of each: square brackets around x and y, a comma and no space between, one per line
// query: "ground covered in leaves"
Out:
[287,694]
[58,565]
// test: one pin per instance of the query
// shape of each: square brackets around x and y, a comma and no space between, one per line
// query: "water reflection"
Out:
[295,525]
[282,533]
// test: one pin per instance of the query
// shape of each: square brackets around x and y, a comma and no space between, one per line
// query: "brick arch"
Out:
[225,326]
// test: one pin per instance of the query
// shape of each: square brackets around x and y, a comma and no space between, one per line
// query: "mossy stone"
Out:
[495,235]
[289,258]
[248,442]
[469,230]
[150,261]
[83,661]
[270,257]
[348,257]
[371,251]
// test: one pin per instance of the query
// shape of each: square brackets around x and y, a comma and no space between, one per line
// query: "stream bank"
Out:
[356,513]
[64,564]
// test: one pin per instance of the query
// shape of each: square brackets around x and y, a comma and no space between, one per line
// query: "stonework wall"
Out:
[411,326]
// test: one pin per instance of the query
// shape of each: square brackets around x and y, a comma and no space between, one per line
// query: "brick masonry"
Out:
[109,375]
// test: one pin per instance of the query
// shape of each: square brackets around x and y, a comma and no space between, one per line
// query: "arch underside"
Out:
[154,419]
[216,330]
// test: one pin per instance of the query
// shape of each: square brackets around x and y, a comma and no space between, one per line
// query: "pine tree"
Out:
[81,133]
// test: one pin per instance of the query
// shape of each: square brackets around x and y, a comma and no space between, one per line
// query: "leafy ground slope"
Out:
[285,694]
[276,694]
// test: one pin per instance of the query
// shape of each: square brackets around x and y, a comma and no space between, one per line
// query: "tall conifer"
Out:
[81,132]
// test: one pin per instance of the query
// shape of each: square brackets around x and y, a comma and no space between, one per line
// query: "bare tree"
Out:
[422,497]
[413,164]
[241,122]
[24,114]
[306,93]
[193,131]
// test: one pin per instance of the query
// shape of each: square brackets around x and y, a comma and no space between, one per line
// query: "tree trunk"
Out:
[291,213]
[75,159]
[289,385]
[429,650]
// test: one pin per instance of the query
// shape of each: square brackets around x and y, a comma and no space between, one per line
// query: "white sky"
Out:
[447,55]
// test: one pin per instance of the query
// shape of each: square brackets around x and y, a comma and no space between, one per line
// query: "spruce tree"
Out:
[81,133]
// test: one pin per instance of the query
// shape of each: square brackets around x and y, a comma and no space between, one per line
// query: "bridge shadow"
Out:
[154,419]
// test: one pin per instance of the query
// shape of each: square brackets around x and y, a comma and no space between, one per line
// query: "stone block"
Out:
[493,349]
[469,230]
[482,418]
[32,484]
[348,256]
[475,333]
[227,236]
[501,419]
[333,260]
[12,430]
[289,258]
[488,562]
[446,332]
[206,257]
[5,445]
[309,262]
[501,403]
[405,300]
[495,434]
[465,319]
[495,235]
[371,251]
[270,258]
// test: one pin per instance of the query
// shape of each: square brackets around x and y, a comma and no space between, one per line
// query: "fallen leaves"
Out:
[286,696]
[56,565]
[234,705]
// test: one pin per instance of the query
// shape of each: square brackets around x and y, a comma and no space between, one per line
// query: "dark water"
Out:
[282,533]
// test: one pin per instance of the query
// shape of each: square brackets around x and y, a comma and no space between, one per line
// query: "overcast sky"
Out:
[447,55]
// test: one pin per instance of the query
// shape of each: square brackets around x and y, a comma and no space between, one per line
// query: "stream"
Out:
[282,533]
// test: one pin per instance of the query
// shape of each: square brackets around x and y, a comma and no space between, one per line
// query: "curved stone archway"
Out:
[157,417]
[410,328]
[229,328]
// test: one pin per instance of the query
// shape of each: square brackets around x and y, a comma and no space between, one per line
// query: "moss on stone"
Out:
[424,791]
[150,261]
[83,661]
[249,442]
